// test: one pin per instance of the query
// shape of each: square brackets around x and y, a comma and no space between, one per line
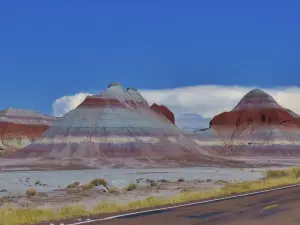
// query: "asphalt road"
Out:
[275,208]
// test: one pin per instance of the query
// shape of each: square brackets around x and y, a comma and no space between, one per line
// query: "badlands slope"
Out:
[257,126]
[117,127]
[18,128]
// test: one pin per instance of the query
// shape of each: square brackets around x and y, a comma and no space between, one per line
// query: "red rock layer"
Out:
[295,115]
[9,131]
[19,127]
[247,117]
[256,107]
[161,109]
[257,124]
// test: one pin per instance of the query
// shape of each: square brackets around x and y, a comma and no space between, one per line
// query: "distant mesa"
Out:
[165,111]
[18,128]
[116,125]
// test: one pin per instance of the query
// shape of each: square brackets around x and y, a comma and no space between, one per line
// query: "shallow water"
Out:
[15,181]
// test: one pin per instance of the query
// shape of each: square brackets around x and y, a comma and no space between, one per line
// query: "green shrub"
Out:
[163,181]
[88,186]
[153,183]
[38,182]
[131,187]
[74,185]
[291,172]
[97,182]
[113,190]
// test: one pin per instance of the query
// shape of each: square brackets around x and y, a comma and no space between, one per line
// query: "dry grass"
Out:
[97,182]
[113,190]
[77,187]
[75,184]
[30,192]
[33,215]
[292,172]
[88,186]
[131,187]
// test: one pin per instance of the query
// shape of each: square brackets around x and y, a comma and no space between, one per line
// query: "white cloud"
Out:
[66,103]
[204,100]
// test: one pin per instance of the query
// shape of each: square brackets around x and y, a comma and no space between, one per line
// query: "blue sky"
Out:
[50,49]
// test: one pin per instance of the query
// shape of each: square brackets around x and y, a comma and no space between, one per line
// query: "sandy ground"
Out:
[197,179]
[90,198]
[278,161]
[37,164]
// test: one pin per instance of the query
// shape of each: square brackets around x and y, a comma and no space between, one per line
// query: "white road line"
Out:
[184,205]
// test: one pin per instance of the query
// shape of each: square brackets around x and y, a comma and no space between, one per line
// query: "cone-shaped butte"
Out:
[256,107]
[256,121]
[119,125]
[19,128]
[256,99]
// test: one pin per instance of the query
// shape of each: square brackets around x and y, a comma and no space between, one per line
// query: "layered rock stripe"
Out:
[115,123]
[19,128]
[256,123]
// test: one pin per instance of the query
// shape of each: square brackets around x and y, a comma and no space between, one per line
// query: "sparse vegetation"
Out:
[97,182]
[17,216]
[75,184]
[38,182]
[185,189]
[85,187]
[88,186]
[75,190]
[131,187]
[139,172]
[221,182]
[180,180]
[163,181]
[113,190]
[30,192]
[291,172]
[153,183]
